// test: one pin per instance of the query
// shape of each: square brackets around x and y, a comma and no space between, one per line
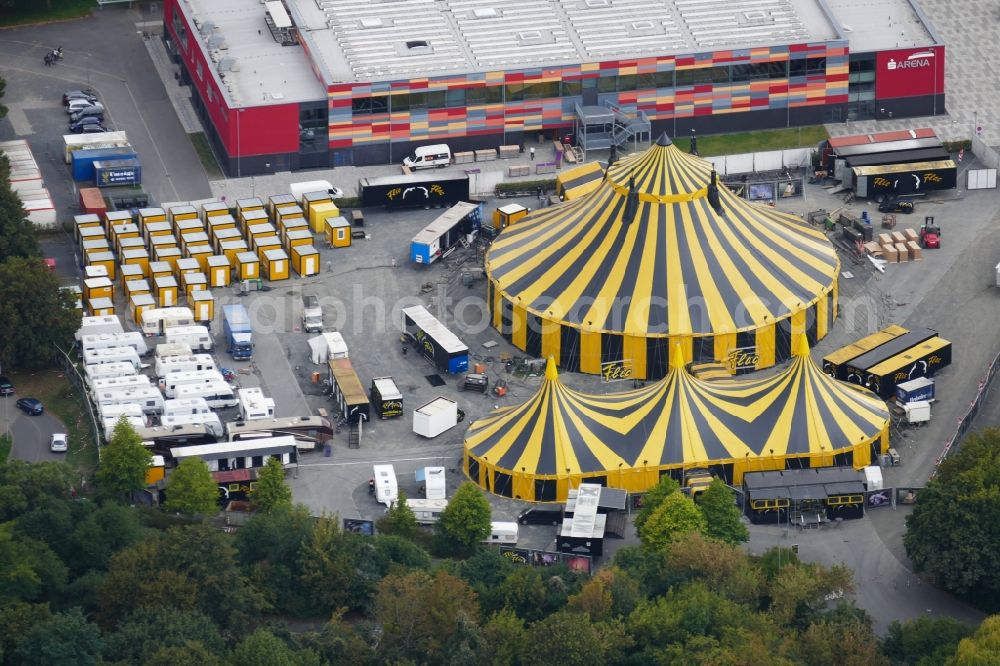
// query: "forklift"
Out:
[930,234]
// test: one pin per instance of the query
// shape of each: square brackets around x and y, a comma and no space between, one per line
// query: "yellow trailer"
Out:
[195,240]
[105,259]
[318,215]
[136,257]
[160,269]
[212,209]
[298,237]
[188,225]
[338,232]
[147,215]
[186,265]
[133,287]
[101,307]
[193,282]
[166,290]
[275,263]
[305,260]
[247,205]
[201,253]
[163,242]
[202,303]
[100,287]
[264,243]
[230,249]
[219,271]
[223,235]
[84,221]
[247,266]
[139,303]
[127,230]
[129,272]
[91,233]
[288,213]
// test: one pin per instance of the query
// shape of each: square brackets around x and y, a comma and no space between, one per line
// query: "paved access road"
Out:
[31,433]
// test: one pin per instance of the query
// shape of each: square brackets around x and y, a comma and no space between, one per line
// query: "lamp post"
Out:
[239,112]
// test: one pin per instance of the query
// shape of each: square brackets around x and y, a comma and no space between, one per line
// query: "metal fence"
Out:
[966,421]
[80,386]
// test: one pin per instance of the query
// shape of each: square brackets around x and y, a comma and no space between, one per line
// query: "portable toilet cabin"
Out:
[295,224]
[129,272]
[276,264]
[148,215]
[137,256]
[154,229]
[249,218]
[113,218]
[166,290]
[219,271]
[85,221]
[220,236]
[95,244]
[305,260]
[129,243]
[160,269]
[162,240]
[318,215]
[258,231]
[338,231]
[202,302]
[186,265]
[100,307]
[230,249]
[252,203]
[139,303]
[90,233]
[182,213]
[247,266]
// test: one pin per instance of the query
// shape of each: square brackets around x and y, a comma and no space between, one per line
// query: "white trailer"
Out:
[157,320]
[109,424]
[386,490]
[218,395]
[254,404]
[327,347]
[164,350]
[191,363]
[170,381]
[98,325]
[427,511]
[112,355]
[502,532]
[435,487]
[95,372]
[196,337]
[180,407]
[211,422]
[435,417]
[133,339]
[149,399]
[87,141]
[108,383]
[124,409]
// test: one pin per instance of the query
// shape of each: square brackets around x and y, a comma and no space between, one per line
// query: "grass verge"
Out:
[750,142]
[5,445]
[61,399]
[60,10]
[205,154]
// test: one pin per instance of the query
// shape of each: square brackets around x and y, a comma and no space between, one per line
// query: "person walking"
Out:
[531,153]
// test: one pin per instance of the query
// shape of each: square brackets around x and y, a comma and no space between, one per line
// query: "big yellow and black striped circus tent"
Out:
[797,418]
[658,255]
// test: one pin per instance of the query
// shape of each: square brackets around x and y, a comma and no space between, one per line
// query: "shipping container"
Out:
[82,161]
[338,232]
[74,142]
[857,367]
[275,264]
[920,389]
[92,201]
[108,173]
[305,260]
[219,271]
[89,220]
[835,363]
[435,417]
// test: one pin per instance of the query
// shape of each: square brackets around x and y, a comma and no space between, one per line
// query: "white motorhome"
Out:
[98,371]
[170,381]
[254,404]
[386,490]
[178,407]
[149,399]
[427,511]
[98,325]
[218,395]
[108,383]
[211,422]
[190,363]
[196,337]
[112,355]
[132,339]
[424,157]
[327,347]
[164,350]
[502,532]
[157,320]
[114,411]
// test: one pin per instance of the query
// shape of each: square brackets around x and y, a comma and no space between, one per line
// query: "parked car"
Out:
[30,406]
[58,443]
[96,110]
[6,387]
[77,104]
[87,120]
[537,516]
[86,93]
[93,129]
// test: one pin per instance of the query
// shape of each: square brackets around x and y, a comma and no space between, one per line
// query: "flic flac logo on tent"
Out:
[913,61]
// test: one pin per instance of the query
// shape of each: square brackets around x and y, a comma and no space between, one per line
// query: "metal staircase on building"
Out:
[629,127]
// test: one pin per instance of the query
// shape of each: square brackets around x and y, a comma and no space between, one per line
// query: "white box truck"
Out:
[327,347]
[503,533]
[191,363]
[196,337]
[435,417]
[435,487]
[98,325]
[254,404]
[218,395]
[170,381]
[386,490]
[178,407]
[112,355]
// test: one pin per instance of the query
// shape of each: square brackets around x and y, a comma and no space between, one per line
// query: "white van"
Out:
[120,369]
[211,422]
[129,381]
[218,395]
[133,339]
[157,320]
[177,407]
[148,398]
[196,337]
[424,157]
[191,363]
[170,382]
[97,325]
[176,349]
[501,532]
[112,355]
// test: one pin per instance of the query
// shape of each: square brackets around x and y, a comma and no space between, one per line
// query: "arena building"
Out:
[296,84]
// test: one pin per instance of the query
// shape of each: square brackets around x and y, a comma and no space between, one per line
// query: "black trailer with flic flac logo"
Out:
[414,190]
[921,360]
[386,397]
[858,366]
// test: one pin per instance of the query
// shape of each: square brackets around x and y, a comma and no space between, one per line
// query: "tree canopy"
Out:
[399,519]
[723,519]
[191,489]
[465,522]
[676,515]
[124,463]
[272,491]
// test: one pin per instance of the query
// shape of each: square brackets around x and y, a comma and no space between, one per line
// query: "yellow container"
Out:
[292,225]
[96,244]
[156,472]
[154,229]
[133,287]
[163,240]
[244,206]
[289,212]
[247,266]
[275,264]
[166,290]
[113,218]
[84,221]
[276,201]
[129,272]
[338,232]
[139,303]
[99,287]
[202,304]
[298,237]
[231,248]
[187,225]
[305,260]
[259,231]
[186,265]
[310,199]
[265,243]
[193,282]
[212,209]
[91,233]
[100,307]
[217,223]
[219,271]
[249,218]
[130,243]
[147,215]
[318,215]
[160,269]
[196,240]
[169,255]
[201,253]
[136,257]
[105,259]
[178,214]
[91,271]
[120,231]
[223,235]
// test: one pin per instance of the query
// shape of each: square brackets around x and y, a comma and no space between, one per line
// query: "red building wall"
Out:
[909,72]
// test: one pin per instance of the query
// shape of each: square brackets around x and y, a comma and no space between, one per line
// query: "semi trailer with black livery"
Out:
[424,190]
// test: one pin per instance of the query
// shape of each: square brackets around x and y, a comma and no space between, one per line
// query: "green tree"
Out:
[465,522]
[504,632]
[66,638]
[676,515]
[269,547]
[29,570]
[25,485]
[924,641]
[339,642]
[262,648]
[336,569]
[945,535]
[722,517]
[17,618]
[982,648]
[191,489]
[147,630]
[272,491]
[101,534]
[3,90]
[124,463]
[190,653]
[35,314]
[565,638]
[399,519]
[652,500]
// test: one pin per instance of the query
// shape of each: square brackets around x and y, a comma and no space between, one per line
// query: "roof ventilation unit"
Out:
[485,13]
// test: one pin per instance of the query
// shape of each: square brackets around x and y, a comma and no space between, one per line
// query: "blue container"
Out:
[108,173]
[82,161]
[921,388]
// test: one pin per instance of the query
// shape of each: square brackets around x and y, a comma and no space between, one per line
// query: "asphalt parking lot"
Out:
[30,434]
